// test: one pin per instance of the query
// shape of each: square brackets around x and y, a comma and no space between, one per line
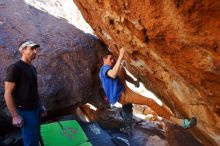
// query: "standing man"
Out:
[21,94]
[116,90]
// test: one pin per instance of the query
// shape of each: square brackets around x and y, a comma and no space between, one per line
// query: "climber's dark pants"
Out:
[127,115]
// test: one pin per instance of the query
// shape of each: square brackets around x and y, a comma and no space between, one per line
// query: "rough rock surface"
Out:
[67,62]
[173,47]
[148,133]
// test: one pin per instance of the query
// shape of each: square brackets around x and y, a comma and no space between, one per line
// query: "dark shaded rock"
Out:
[177,136]
[144,132]
[11,139]
[67,62]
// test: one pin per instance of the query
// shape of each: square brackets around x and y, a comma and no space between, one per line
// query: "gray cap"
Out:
[28,44]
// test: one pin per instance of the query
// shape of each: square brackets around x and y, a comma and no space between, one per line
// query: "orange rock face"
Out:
[173,47]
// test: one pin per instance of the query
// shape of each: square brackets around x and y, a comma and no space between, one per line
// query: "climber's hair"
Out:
[106,54]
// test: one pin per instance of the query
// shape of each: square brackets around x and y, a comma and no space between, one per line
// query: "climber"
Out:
[113,78]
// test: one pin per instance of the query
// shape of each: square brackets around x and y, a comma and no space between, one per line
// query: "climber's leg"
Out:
[131,97]
[127,116]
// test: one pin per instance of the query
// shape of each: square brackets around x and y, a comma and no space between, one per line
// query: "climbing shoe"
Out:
[189,123]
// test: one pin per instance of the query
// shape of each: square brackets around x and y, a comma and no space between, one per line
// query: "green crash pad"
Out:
[63,133]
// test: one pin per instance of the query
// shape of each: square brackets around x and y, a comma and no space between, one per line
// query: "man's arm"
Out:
[16,119]
[131,80]
[122,74]
[9,87]
[114,71]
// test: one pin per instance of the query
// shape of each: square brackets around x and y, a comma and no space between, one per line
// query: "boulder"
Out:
[172,46]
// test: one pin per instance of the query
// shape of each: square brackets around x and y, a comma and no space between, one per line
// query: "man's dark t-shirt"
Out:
[24,76]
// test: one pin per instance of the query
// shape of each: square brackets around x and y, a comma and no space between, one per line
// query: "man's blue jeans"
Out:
[31,126]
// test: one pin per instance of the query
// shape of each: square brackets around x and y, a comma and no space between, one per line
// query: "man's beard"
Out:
[33,56]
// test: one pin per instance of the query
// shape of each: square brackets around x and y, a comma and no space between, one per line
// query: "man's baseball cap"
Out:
[28,43]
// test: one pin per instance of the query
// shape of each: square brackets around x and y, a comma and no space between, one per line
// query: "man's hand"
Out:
[44,111]
[137,84]
[121,53]
[17,121]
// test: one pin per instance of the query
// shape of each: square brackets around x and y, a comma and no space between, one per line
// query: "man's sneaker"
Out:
[120,141]
[127,131]
[189,123]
